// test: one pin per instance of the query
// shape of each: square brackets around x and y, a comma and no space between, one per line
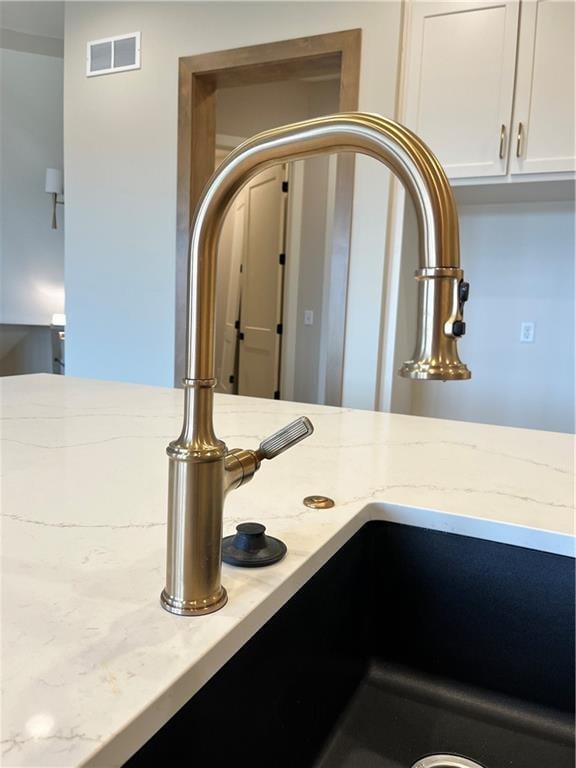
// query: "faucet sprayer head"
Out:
[442,293]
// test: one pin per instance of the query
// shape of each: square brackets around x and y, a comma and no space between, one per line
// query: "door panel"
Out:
[460,81]
[235,219]
[259,354]
[545,89]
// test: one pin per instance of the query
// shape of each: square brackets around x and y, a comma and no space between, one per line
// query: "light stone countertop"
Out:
[91,665]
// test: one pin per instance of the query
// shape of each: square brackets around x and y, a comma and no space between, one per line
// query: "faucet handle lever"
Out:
[285,438]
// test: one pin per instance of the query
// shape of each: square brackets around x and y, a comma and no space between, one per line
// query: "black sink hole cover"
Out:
[251,548]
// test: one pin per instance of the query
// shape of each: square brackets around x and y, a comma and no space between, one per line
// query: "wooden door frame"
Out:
[199,78]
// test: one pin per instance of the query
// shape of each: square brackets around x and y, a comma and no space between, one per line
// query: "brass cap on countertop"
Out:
[318,502]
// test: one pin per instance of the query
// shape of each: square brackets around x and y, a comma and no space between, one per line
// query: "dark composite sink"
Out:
[407,643]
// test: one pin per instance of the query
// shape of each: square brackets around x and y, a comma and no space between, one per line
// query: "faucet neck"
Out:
[385,140]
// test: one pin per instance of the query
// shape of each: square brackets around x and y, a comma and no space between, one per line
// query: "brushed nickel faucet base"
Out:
[199,479]
[193,607]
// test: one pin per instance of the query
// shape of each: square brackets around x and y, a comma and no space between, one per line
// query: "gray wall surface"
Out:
[310,280]
[31,253]
[25,349]
[519,259]
[242,112]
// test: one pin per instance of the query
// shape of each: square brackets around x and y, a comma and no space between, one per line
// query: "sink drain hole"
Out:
[446,761]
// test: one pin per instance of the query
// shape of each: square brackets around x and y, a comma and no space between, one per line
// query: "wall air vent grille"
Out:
[113,54]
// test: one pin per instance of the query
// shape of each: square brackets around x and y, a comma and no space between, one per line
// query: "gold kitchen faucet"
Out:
[201,468]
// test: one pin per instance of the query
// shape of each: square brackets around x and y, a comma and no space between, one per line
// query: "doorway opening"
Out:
[250,324]
[281,310]
[275,246]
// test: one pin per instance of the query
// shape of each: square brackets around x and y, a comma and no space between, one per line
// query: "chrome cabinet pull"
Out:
[502,142]
[519,139]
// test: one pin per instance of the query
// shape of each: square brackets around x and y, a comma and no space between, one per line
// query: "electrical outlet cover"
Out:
[527,332]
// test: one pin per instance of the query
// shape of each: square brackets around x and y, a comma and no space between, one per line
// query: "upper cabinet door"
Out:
[460,82]
[543,137]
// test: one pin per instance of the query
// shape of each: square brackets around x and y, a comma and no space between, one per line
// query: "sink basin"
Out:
[408,643]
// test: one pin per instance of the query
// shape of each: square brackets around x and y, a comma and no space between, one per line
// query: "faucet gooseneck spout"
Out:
[201,468]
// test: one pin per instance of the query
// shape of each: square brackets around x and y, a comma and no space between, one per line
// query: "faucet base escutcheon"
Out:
[193,607]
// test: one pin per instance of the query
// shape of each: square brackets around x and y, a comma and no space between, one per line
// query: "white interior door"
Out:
[234,242]
[543,137]
[460,82]
[262,282]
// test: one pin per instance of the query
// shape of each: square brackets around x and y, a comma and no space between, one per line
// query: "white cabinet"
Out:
[543,125]
[460,82]
[485,113]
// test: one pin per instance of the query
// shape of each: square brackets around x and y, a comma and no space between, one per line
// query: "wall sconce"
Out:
[55,187]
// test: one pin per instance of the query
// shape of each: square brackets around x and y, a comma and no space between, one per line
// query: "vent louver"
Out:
[113,54]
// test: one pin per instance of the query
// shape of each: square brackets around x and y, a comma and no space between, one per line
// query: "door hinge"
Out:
[230,379]
[279,329]
[277,395]
[237,325]
[282,259]
[241,336]
[284,186]
[241,267]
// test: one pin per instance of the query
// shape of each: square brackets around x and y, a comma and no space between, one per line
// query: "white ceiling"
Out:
[33,18]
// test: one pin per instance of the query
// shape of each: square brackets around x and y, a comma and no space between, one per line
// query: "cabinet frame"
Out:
[521,162]
[514,105]
[416,16]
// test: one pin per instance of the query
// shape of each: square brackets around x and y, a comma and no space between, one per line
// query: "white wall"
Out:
[31,253]
[519,259]
[120,140]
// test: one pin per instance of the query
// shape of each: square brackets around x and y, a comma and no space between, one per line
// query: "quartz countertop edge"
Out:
[92,665]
